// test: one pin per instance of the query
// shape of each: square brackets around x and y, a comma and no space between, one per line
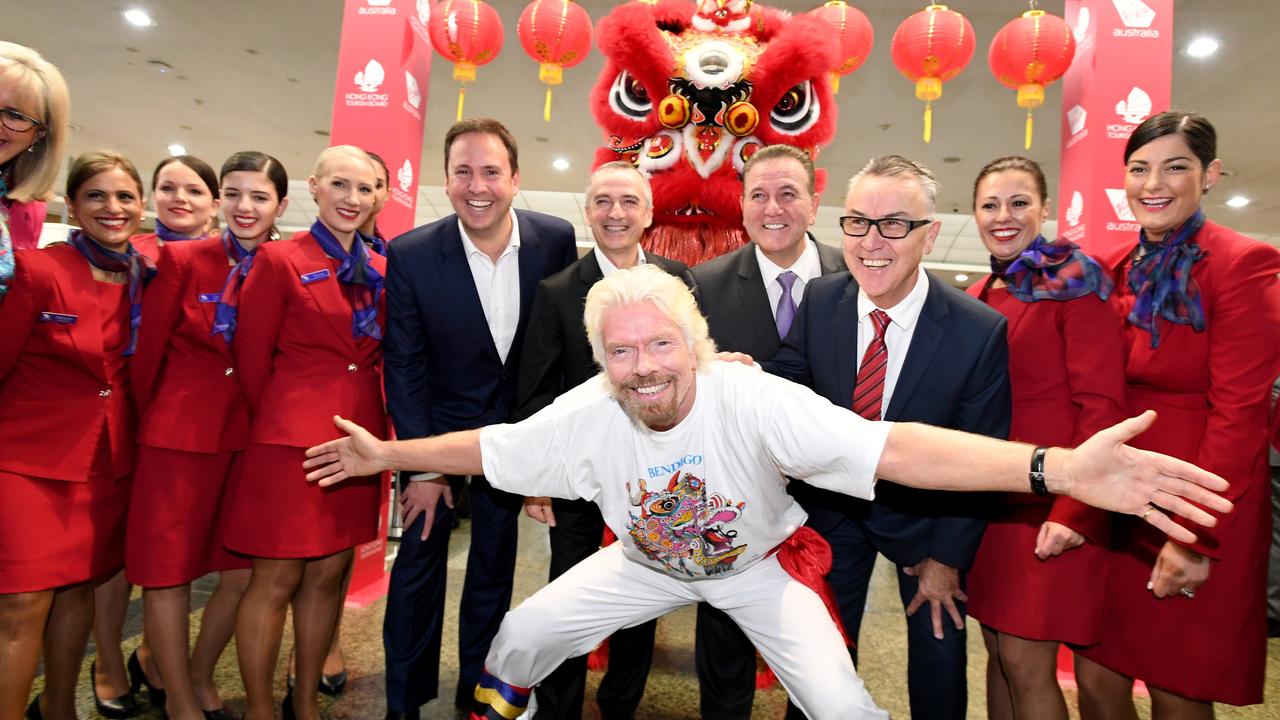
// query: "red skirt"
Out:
[175,519]
[55,533]
[273,512]
[1013,591]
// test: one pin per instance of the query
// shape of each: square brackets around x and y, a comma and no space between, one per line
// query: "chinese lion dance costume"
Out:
[690,91]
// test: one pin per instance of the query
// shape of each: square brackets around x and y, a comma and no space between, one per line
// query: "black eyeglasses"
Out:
[18,122]
[890,228]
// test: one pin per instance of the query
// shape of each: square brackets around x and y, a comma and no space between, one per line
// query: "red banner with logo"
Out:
[380,97]
[379,101]
[1122,74]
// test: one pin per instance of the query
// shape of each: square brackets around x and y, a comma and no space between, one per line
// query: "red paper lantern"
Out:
[467,33]
[557,34]
[931,47]
[1030,52]
[853,33]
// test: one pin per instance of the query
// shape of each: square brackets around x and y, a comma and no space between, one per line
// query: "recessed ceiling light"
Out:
[961,277]
[1237,201]
[560,164]
[138,17]
[1202,47]
[176,149]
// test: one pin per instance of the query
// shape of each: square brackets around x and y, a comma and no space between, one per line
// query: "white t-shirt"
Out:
[707,497]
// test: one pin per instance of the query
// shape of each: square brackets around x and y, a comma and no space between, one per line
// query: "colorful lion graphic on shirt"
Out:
[690,90]
[679,527]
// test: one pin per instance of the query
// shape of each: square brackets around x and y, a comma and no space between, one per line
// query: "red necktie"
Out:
[868,389]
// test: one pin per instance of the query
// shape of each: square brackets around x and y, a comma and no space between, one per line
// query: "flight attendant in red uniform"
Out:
[185,192]
[70,326]
[194,423]
[1032,585]
[1202,309]
[307,347]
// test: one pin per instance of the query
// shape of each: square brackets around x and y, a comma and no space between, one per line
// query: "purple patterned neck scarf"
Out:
[168,235]
[138,267]
[358,276]
[1161,280]
[376,242]
[224,314]
[1052,271]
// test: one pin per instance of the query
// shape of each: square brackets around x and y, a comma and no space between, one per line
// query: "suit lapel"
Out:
[80,293]
[925,341]
[205,270]
[589,273]
[309,258]
[454,275]
[530,262]
[847,341]
[753,300]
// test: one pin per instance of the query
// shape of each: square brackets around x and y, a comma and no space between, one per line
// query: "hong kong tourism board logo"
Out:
[402,190]
[1133,109]
[368,81]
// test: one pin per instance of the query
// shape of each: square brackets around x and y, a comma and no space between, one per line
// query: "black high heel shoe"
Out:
[333,685]
[220,714]
[138,680]
[33,710]
[125,706]
[286,707]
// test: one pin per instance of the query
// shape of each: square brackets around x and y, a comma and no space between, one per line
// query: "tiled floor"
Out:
[672,689]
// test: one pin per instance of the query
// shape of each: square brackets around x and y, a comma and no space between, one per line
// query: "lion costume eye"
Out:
[796,111]
[628,97]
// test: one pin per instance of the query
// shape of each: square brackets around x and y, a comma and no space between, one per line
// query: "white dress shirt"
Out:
[897,336]
[607,267]
[498,285]
[806,268]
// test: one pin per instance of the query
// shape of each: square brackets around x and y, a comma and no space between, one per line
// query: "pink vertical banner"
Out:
[379,102]
[1122,74]
[380,97]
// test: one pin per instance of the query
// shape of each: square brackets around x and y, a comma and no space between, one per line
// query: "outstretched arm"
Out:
[1103,472]
[360,454]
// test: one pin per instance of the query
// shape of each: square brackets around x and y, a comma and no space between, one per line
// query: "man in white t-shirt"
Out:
[687,458]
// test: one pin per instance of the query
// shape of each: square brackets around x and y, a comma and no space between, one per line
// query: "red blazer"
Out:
[148,244]
[1213,389]
[299,365]
[1066,371]
[184,376]
[55,393]
[26,222]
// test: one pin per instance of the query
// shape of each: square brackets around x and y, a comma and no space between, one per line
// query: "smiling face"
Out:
[618,213]
[1164,182]
[778,209]
[108,207]
[650,366]
[14,98]
[480,185]
[1008,212]
[344,188]
[886,270]
[250,206]
[183,202]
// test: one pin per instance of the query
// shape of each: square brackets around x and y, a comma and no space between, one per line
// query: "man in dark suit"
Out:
[750,297]
[929,353]
[557,358]
[458,297]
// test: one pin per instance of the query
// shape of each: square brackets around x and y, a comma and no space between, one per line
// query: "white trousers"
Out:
[786,621]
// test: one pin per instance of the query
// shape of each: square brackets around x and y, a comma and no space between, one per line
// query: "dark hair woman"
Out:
[184,190]
[70,325]
[1202,307]
[1031,582]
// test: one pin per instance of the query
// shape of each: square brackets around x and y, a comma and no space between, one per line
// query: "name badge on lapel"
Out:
[209,297]
[59,318]
[316,276]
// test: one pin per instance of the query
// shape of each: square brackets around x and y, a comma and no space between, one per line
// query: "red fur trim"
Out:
[692,244]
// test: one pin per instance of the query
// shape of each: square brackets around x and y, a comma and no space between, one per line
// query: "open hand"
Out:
[357,455]
[940,587]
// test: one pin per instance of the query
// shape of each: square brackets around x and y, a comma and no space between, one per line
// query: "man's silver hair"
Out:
[897,166]
[647,283]
[621,166]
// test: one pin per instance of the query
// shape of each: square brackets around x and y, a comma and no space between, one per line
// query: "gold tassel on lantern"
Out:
[928,89]
[1030,96]
[463,72]
[551,74]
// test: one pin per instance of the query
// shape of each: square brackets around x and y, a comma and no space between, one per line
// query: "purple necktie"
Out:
[786,311]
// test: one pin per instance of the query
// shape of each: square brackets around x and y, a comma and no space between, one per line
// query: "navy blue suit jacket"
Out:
[443,371]
[956,375]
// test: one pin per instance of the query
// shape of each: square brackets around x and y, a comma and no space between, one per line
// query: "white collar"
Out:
[607,267]
[807,266]
[905,313]
[513,243]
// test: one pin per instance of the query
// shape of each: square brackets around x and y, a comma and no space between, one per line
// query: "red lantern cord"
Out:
[930,48]
[467,33]
[557,34]
[854,35]
[1028,53]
